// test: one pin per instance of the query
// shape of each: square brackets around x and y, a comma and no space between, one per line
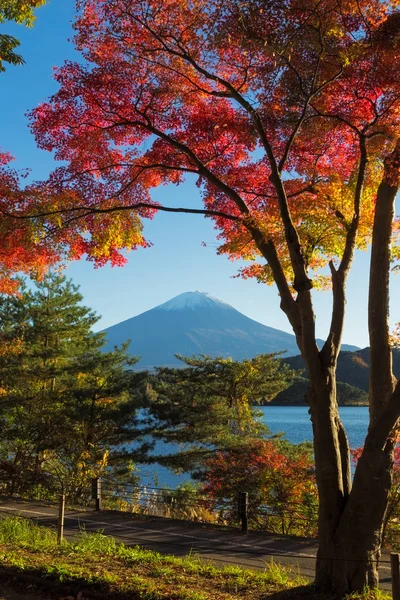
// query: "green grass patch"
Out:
[98,564]
[26,533]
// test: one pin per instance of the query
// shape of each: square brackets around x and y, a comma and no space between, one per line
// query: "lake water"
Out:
[293,421]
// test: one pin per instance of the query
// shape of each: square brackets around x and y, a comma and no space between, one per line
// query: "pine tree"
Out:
[65,403]
[209,405]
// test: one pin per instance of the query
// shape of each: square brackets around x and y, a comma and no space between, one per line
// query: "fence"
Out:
[243,510]
[183,503]
[186,503]
[180,503]
[298,519]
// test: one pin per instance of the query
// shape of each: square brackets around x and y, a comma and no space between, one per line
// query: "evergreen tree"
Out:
[209,405]
[65,403]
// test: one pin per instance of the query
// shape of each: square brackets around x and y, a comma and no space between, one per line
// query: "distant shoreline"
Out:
[272,403]
[306,405]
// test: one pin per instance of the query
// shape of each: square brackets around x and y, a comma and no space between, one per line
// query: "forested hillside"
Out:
[347,395]
[353,367]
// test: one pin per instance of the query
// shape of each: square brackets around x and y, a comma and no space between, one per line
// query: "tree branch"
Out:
[87,210]
[381,375]
[381,427]
[303,114]
[330,350]
[301,283]
[288,304]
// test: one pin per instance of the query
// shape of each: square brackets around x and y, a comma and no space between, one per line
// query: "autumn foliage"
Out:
[20,11]
[24,247]
[288,116]
[395,337]
[159,98]
[279,479]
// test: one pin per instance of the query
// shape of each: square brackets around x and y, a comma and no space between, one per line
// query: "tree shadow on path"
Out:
[303,592]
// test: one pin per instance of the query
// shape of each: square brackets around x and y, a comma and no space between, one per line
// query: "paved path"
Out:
[180,538]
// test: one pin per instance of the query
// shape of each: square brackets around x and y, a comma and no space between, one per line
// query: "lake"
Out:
[293,421]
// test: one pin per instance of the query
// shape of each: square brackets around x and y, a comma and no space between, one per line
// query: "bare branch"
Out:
[331,347]
[88,210]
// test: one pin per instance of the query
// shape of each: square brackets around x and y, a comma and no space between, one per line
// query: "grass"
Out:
[98,565]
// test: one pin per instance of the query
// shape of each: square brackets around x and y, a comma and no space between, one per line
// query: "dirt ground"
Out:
[10,593]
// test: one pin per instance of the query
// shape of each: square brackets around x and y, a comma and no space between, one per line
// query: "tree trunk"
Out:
[348,555]
[332,472]
[350,517]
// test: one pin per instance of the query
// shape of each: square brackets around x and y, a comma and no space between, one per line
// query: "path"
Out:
[221,545]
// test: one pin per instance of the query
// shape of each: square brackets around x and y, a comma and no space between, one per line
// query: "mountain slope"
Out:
[196,323]
[347,395]
[353,367]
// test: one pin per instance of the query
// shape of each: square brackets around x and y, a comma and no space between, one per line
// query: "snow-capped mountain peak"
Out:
[195,323]
[192,300]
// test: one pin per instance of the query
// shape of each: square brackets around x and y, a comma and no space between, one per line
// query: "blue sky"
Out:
[177,262]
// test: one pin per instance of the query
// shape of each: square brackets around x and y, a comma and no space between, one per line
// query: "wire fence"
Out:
[180,503]
[184,503]
[291,518]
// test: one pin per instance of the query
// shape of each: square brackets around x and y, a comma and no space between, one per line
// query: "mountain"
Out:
[294,395]
[196,323]
[352,368]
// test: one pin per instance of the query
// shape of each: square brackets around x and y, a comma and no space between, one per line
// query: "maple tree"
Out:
[390,525]
[274,473]
[20,11]
[22,248]
[288,114]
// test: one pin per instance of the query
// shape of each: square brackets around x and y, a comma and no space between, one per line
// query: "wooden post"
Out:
[394,564]
[243,505]
[60,524]
[96,492]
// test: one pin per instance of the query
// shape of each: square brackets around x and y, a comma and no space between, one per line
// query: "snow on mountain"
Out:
[191,300]
[196,323]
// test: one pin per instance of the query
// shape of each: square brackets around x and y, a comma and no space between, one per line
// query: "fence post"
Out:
[60,523]
[96,492]
[394,564]
[243,505]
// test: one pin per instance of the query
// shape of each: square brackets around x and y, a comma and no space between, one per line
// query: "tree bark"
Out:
[332,473]
[381,376]
[349,553]
[351,517]
[351,520]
